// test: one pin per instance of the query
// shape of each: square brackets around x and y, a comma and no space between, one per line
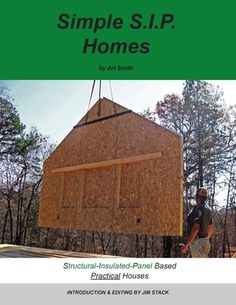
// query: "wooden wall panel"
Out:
[99,191]
[50,198]
[99,141]
[140,197]
[95,219]
[101,109]
[130,187]
[66,218]
[70,195]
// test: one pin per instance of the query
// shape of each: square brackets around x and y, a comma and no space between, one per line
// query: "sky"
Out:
[54,107]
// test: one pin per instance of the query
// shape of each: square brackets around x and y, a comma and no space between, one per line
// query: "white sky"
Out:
[54,107]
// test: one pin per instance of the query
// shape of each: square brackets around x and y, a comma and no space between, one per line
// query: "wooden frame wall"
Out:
[118,172]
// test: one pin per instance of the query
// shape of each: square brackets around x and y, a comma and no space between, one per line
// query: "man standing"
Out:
[199,227]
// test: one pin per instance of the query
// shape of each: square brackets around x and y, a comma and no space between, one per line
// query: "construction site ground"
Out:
[15,251]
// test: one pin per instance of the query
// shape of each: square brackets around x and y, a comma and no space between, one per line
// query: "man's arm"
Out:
[210,230]
[192,236]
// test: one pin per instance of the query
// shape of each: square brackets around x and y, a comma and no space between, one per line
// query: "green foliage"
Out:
[198,115]
[21,162]
[10,125]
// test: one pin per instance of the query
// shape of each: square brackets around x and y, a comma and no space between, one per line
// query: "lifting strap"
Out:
[100,99]
[91,95]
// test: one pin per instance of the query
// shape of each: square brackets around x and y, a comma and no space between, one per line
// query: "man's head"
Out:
[201,194]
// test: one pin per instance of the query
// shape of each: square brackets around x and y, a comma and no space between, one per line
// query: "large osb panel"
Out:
[101,109]
[50,196]
[70,194]
[130,187]
[143,197]
[99,141]
[72,145]
[161,179]
[96,181]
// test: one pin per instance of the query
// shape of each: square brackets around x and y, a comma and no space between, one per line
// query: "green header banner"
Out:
[77,39]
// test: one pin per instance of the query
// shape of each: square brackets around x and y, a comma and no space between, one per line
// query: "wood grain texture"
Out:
[121,174]
[106,163]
